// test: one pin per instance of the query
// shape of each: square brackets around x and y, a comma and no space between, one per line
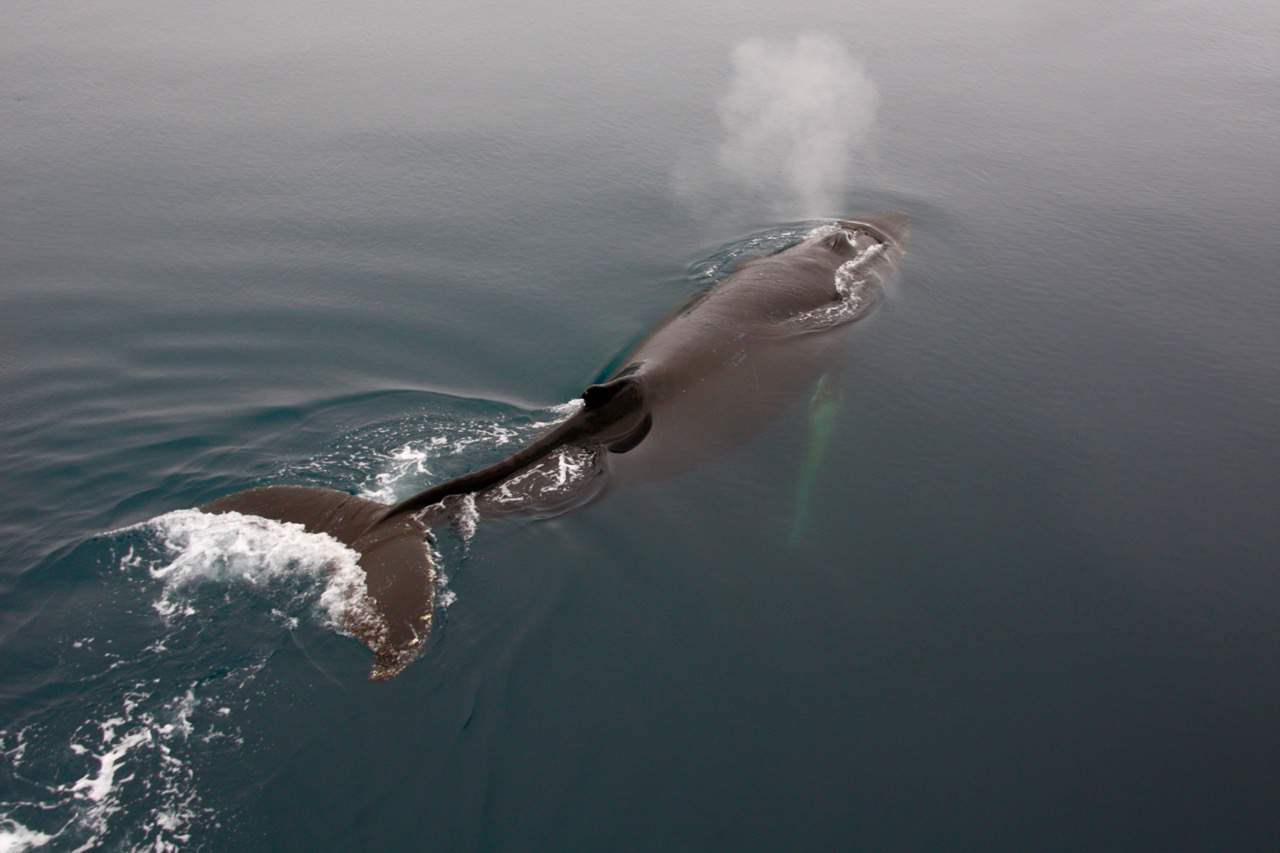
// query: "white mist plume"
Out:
[796,117]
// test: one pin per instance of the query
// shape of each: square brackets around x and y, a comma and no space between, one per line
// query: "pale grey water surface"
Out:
[1035,605]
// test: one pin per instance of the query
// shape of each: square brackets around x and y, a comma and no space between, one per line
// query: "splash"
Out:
[231,548]
[120,763]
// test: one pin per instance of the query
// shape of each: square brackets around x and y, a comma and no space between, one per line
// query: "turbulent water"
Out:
[1003,579]
[221,594]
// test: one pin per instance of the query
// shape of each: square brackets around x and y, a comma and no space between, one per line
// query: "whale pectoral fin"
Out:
[393,617]
[633,438]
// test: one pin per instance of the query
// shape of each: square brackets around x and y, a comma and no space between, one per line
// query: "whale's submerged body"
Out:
[707,377]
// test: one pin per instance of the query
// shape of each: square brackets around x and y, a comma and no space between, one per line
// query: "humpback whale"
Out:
[709,375]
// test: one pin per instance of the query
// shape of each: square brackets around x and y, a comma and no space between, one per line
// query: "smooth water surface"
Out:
[1028,600]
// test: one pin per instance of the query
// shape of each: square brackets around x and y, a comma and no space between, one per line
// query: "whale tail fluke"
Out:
[393,616]
[560,469]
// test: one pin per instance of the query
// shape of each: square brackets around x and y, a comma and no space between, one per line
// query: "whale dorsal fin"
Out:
[597,395]
[621,396]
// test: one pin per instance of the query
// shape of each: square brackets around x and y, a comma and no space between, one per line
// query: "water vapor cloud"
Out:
[796,120]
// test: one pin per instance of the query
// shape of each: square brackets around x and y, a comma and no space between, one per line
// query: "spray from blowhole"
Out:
[797,122]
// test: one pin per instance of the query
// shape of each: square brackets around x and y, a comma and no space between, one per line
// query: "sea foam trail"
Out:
[15,838]
[137,754]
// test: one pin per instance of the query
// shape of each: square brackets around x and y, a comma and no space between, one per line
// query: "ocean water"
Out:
[1010,582]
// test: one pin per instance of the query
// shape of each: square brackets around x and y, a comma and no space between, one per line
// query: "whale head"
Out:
[849,263]
[890,227]
[874,243]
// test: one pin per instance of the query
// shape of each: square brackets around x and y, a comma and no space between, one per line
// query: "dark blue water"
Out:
[1033,604]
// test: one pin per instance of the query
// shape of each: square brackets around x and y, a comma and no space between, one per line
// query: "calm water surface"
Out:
[1033,602]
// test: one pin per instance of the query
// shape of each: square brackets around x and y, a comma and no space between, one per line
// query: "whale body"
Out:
[707,377]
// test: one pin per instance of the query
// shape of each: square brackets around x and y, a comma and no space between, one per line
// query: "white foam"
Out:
[412,460]
[231,547]
[135,747]
[406,460]
[567,408]
[290,623]
[133,781]
[95,788]
[467,517]
[182,708]
[863,257]
[14,837]
[16,752]
[571,463]
[856,289]
[552,478]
